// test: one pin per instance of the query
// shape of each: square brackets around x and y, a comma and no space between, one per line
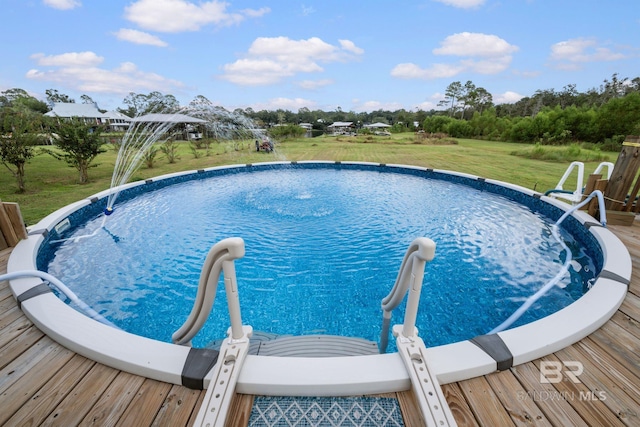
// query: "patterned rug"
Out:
[325,412]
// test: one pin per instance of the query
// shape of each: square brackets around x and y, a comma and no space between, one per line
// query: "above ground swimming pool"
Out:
[324,243]
[323,247]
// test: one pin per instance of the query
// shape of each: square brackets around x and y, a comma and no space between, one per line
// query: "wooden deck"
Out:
[43,383]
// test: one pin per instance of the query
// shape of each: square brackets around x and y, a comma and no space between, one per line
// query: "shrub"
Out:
[613,144]
[149,157]
[170,150]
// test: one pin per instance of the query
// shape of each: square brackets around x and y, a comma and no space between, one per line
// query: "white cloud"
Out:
[285,104]
[428,105]
[462,4]
[71,59]
[139,37]
[475,44]
[255,13]
[314,84]
[307,10]
[349,46]
[487,66]
[257,72]
[431,103]
[368,106]
[436,71]
[571,54]
[271,59]
[79,71]
[62,4]
[508,97]
[480,53]
[172,16]
[284,49]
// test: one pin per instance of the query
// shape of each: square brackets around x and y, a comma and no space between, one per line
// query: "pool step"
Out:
[317,346]
[265,344]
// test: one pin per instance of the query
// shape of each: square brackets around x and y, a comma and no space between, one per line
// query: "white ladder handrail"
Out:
[576,195]
[410,276]
[603,165]
[219,259]
[579,179]
[412,350]
[235,347]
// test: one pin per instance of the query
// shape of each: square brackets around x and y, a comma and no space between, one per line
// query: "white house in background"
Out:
[307,127]
[89,113]
[342,128]
[190,127]
[377,125]
[118,121]
[379,128]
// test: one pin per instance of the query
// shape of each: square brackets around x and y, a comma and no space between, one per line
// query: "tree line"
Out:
[602,116]
[605,126]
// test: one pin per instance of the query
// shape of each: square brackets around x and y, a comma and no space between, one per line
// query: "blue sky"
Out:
[355,55]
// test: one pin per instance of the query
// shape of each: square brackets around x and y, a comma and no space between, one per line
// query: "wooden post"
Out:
[15,216]
[632,196]
[593,205]
[589,187]
[6,227]
[624,173]
[3,242]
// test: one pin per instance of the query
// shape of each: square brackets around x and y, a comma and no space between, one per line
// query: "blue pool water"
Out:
[323,247]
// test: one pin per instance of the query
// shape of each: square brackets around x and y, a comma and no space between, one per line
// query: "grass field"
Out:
[51,184]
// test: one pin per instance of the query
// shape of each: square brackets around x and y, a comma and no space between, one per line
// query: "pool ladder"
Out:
[577,195]
[235,347]
[411,348]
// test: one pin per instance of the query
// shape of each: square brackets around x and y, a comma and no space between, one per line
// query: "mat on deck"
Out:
[325,411]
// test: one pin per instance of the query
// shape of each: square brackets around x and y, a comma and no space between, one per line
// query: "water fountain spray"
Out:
[146,131]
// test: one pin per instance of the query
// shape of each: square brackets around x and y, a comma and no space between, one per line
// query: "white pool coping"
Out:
[338,376]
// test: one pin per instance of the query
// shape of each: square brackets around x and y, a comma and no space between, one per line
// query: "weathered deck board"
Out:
[41,352]
[602,385]
[18,393]
[555,408]
[591,409]
[458,405]
[510,393]
[83,397]
[42,383]
[10,316]
[179,405]
[622,377]
[239,411]
[22,335]
[146,403]
[410,408]
[484,403]
[117,397]
[48,397]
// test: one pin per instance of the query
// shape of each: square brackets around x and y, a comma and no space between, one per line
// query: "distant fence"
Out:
[12,228]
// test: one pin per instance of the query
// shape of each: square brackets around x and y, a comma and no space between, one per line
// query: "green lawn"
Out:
[51,184]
